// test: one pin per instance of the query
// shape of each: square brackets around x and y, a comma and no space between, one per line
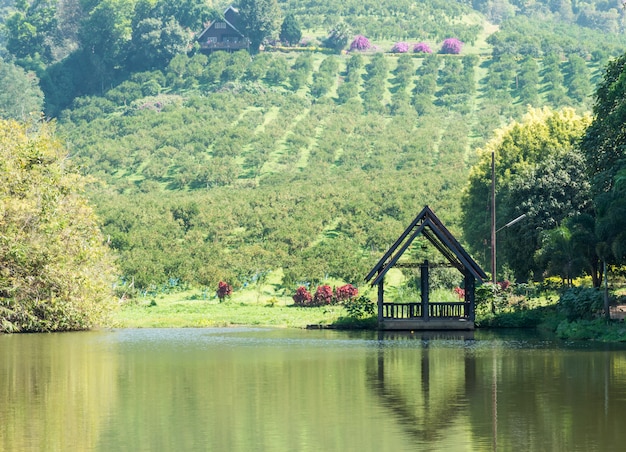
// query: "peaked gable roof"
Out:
[230,17]
[427,224]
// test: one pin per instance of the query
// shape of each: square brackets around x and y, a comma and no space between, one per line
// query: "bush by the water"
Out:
[360,307]
[581,303]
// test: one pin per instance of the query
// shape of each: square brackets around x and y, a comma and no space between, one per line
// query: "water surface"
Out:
[291,390]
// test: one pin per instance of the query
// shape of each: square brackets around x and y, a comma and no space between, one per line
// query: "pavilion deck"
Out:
[439,316]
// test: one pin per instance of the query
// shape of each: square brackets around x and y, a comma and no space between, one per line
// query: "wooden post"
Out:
[424,289]
[381,291]
[470,296]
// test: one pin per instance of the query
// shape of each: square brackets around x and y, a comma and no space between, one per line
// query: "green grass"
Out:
[187,310]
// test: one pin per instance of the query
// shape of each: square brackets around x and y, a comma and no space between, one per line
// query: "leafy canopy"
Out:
[55,271]
[527,157]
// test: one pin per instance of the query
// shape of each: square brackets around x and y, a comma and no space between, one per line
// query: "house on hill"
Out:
[224,34]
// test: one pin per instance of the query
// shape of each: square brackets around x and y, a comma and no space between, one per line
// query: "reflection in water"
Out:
[55,391]
[402,377]
[285,390]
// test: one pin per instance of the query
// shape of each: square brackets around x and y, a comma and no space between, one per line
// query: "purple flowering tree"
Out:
[422,47]
[360,43]
[400,47]
[451,46]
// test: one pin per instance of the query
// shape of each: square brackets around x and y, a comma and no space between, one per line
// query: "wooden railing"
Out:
[436,310]
[224,45]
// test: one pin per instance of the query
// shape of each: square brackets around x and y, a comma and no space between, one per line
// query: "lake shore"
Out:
[186,311]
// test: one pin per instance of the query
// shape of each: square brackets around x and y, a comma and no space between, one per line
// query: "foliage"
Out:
[603,148]
[400,47]
[422,47]
[56,272]
[259,19]
[338,36]
[323,295]
[360,307]
[20,96]
[360,42]
[491,298]
[345,293]
[155,41]
[290,31]
[224,290]
[538,173]
[250,141]
[581,303]
[302,297]
[451,46]
[595,329]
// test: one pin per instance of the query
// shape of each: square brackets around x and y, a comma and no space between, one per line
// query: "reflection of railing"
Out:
[414,310]
[224,45]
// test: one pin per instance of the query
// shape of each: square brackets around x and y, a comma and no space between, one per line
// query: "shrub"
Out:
[360,307]
[422,47]
[360,42]
[323,295]
[400,47]
[224,290]
[302,297]
[451,46]
[580,303]
[345,293]
[490,297]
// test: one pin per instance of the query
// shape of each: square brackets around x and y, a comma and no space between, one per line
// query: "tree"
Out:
[604,146]
[290,32]
[537,172]
[20,95]
[55,271]
[451,46]
[30,29]
[259,19]
[551,192]
[360,42]
[155,42]
[338,36]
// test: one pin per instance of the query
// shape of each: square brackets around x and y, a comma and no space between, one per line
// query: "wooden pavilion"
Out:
[424,314]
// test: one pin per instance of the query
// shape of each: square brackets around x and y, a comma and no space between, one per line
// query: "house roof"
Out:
[230,11]
[428,225]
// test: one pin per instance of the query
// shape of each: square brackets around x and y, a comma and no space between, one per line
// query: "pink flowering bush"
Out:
[360,43]
[422,47]
[323,295]
[302,297]
[400,47]
[224,290]
[451,46]
[347,292]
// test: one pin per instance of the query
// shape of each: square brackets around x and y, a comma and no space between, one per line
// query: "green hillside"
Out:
[227,166]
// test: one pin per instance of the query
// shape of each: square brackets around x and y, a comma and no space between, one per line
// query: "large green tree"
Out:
[55,270]
[604,147]
[537,173]
[290,32]
[260,19]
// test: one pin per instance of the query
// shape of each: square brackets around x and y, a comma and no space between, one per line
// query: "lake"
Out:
[253,389]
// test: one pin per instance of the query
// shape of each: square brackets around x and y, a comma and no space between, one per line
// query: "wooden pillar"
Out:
[470,296]
[381,291]
[424,289]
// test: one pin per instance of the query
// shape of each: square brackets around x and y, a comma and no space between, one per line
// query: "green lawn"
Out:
[180,311]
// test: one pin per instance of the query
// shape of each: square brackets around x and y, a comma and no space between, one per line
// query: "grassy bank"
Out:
[187,309]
